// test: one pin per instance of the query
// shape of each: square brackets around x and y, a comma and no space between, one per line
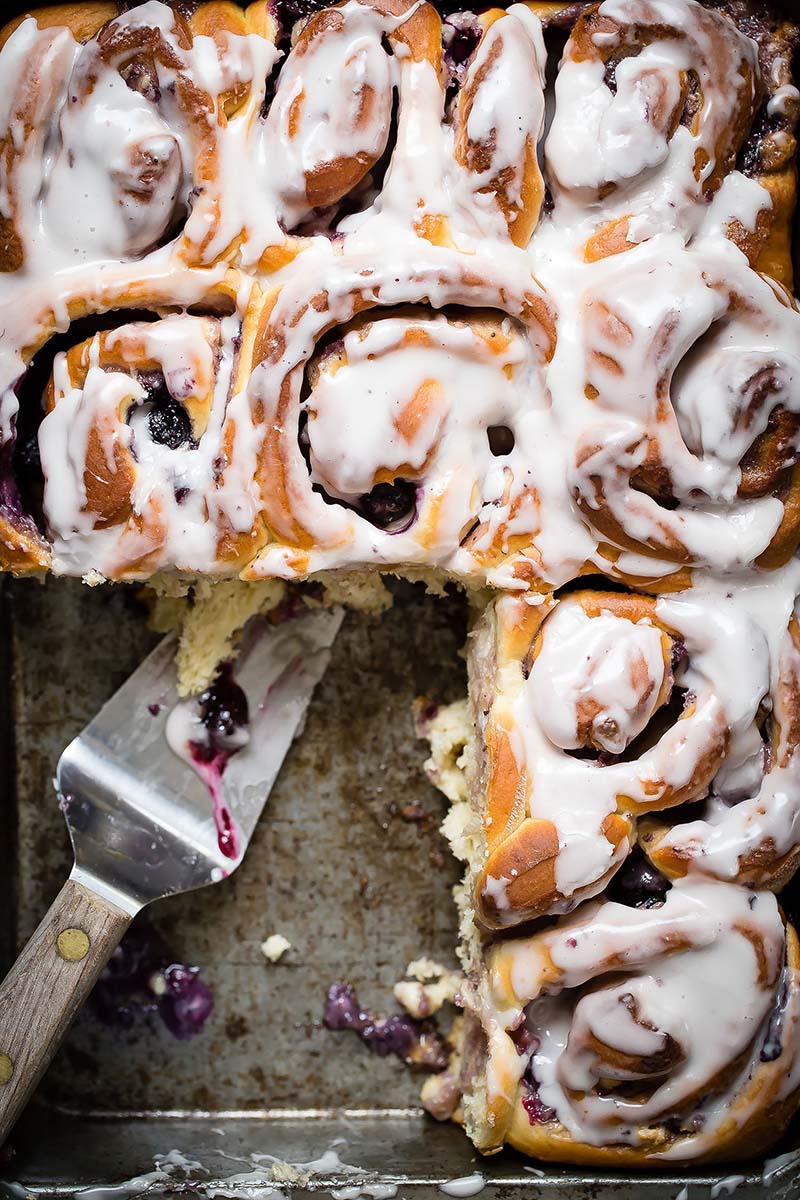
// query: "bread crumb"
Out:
[448,730]
[219,612]
[157,984]
[275,947]
[427,987]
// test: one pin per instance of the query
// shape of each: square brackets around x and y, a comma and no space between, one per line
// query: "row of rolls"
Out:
[631,813]
[152,109]
[647,430]
[512,358]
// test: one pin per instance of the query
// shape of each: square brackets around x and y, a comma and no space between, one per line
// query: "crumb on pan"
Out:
[426,988]
[275,947]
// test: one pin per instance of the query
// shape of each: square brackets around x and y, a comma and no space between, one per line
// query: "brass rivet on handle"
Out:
[6,1069]
[72,944]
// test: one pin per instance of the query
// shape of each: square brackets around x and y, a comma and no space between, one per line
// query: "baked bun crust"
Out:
[650,1055]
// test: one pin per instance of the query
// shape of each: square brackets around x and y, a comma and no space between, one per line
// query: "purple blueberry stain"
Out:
[186,1003]
[537,1111]
[224,715]
[415,1042]
[143,981]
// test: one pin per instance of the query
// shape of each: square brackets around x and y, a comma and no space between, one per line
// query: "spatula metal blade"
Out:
[140,817]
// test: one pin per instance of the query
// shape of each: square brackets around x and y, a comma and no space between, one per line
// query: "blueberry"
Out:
[187,1003]
[169,425]
[124,995]
[637,883]
[223,708]
[389,503]
[167,420]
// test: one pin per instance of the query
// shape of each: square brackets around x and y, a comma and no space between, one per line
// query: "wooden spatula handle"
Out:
[47,985]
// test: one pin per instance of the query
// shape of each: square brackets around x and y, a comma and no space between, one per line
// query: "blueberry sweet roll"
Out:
[669,115]
[677,386]
[642,1036]
[132,449]
[397,432]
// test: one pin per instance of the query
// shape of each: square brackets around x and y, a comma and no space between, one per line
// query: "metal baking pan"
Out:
[358,890]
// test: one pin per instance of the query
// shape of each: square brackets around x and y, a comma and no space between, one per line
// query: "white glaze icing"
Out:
[332,106]
[659,1008]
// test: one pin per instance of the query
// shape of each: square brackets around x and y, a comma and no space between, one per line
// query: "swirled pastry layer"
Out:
[617,1036]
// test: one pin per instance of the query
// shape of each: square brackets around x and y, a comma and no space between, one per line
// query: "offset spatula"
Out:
[147,823]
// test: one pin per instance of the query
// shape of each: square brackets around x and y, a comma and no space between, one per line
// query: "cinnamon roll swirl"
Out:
[590,711]
[433,396]
[363,84]
[132,443]
[748,829]
[616,1038]
[685,437]
[656,105]
[134,130]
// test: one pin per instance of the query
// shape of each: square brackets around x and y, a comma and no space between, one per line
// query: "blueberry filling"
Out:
[288,12]
[638,884]
[610,75]
[21,479]
[390,505]
[141,75]
[678,654]
[537,1111]
[773,1043]
[168,422]
[461,40]
[415,1042]
[143,980]
[461,35]
[692,1123]
[525,1041]
[12,463]
[223,710]
[694,99]
[224,716]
